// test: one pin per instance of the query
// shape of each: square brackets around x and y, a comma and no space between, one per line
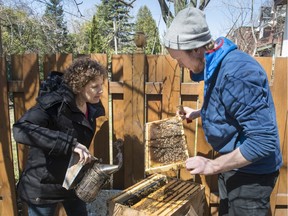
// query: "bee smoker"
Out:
[94,179]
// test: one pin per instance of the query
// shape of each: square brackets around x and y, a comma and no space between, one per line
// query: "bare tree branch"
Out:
[194,3]
[77,6]
[165,11]
[203,4]
[127,4]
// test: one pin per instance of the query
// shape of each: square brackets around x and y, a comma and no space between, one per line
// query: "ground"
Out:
[99,206]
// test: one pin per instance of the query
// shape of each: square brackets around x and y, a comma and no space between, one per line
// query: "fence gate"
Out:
[141,88]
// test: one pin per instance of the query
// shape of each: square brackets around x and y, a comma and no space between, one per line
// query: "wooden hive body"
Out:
[159,195]
[165,150]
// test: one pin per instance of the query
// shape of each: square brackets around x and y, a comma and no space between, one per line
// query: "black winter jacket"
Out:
[49,129]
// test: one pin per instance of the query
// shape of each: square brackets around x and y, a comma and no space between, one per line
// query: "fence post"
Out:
[134,114]
[100,144]
[7,179]
[25,69]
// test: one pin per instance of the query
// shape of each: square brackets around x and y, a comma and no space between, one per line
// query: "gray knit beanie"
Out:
[188,30]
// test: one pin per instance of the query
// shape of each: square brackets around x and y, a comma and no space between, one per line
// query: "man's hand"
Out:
[226,162]
[188,113]
[200,165]
[83,152]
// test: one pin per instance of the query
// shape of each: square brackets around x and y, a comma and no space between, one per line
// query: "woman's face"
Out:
[92,91]
[193,60]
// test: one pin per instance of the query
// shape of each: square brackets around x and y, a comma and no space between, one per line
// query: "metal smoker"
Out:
[94,179]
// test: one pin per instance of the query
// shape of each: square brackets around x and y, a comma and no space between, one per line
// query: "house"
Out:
[266,38]
[244,39]
[271,30]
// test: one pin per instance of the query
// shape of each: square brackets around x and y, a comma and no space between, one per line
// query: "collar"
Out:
[214,57]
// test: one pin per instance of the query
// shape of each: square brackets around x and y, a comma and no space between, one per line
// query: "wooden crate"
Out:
[158,195]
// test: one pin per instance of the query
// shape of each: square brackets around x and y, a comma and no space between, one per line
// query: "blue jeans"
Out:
[72,208]
[244,194]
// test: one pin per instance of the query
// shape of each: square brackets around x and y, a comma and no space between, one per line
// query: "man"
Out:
[238,115]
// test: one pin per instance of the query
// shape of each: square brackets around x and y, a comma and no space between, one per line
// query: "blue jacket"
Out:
[238,109]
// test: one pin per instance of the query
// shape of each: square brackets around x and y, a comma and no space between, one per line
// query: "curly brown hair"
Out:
[81,71]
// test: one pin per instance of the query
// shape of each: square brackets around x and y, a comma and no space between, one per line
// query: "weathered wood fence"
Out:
[141,89]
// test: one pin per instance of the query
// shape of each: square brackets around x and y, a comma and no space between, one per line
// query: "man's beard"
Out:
[200,66]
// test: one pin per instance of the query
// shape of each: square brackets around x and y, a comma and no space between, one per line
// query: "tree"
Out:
[246,21]
[55,27]
[79,36]
[112,28]
[168,15]
[20,32]
[122,25]
[146,24]
[101,32]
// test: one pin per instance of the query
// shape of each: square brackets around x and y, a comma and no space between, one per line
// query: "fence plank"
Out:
[117,113]
[115,87]
[279,92]
[138,114]
[191,89]
[155,66]
[192,96]
[100,146]
[171,87]
[267,64]
[56,62]
[16,86]
[153,89]
[134,118]
[26,69]
[128,120]
[7,178]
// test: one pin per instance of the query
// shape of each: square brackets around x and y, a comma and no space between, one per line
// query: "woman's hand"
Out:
[188,113]
[83,152]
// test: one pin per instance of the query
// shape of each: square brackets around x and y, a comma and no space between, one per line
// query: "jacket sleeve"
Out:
[33,129]
[247,98]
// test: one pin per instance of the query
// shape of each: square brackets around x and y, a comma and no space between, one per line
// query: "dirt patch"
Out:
[99,206]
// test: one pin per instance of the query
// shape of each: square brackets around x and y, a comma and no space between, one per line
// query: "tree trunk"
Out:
[1,46]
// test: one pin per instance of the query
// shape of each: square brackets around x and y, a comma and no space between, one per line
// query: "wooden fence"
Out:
[141,89]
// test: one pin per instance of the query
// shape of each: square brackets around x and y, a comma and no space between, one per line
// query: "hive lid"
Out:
[165,145]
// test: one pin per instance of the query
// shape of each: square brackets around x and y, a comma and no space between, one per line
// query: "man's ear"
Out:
[197,51]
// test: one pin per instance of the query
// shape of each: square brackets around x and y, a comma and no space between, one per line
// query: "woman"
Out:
[61,122]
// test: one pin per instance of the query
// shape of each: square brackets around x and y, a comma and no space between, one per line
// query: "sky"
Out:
[154,7]
[218,17]
[220,14]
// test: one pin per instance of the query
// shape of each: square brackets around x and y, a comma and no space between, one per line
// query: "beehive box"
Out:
[158,195]
[165,149]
